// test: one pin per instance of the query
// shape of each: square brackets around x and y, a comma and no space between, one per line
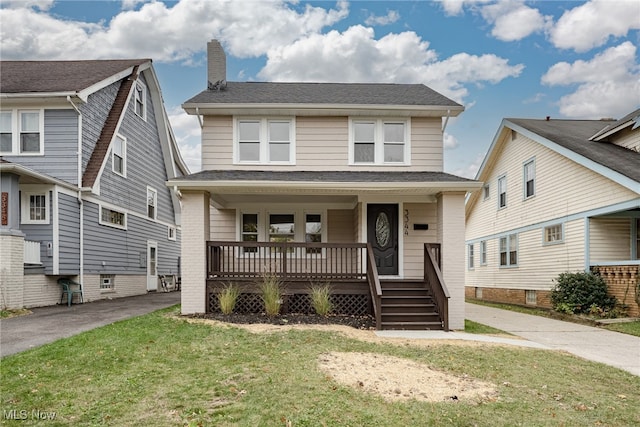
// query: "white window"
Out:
[249,229]
[22,132]
[313,231]
[113,218]
[265,141]
[486,191]
[282,228]
[35,207]
[502,192]
[119,155]
[107,282]
[470,257]
[141,100]
[152,203]
[509,251]
[171,233]
[553,234]
[378,141]
[483,252]
[529,178]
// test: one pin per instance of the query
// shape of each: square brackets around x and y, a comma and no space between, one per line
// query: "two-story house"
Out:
[86,149]
[559,196]
[326,182]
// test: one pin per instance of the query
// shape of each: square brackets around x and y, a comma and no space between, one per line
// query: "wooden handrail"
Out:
[374,286]
[434,280]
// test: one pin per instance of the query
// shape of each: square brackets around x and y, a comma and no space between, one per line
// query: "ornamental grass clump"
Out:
[228,297]
[321,299]
[271,292]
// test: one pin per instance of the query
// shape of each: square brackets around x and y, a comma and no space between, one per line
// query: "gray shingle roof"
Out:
[58,76]
[324,93]
[322,176]
[574,135]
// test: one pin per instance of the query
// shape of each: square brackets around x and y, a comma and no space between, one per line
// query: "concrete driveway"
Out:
[47,324]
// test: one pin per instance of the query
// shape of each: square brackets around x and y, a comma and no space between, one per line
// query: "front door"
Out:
[152,266]
[382,234]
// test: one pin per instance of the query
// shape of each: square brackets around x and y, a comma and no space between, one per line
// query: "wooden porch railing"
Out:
[374,287]
[433,279]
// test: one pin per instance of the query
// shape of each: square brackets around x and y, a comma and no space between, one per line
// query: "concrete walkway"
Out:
[48,324]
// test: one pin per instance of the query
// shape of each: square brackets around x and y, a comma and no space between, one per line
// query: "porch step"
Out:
[412,326]
[408,305]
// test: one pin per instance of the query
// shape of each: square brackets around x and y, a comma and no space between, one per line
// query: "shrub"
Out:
[271,290]
[228,297]
[321,299]
[581,292]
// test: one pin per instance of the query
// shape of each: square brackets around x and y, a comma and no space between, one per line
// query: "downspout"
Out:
[80,202]
[444,126]
[200,119]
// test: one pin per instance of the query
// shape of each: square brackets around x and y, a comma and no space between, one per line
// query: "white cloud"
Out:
[470,170]
[356,56]
[187,132]
[513,20]
[450,142]
[608,85]
[391,17]
[131,4]
[593,23]
[456,7]
[170,33]
[43,5]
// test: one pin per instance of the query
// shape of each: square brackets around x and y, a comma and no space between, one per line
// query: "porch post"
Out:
[451,235]
[11,244]
[195,233]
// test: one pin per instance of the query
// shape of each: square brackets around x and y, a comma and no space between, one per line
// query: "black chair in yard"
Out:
[68,286]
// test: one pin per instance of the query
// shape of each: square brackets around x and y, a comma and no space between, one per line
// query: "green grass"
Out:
[472,327]
[156,370]
[631,328]
[13,312]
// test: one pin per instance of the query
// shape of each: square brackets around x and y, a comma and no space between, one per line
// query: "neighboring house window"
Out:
[141,100]
[483,252]
[152,203]
[119,155]
[509,250]
[171,233]
[21,132]
[553,234]
[113,218]
[502,192]
[486,191]
[471,256]
[379,141]
[35,207]
[107,282]
[265,141]
[529,172]
[249,230]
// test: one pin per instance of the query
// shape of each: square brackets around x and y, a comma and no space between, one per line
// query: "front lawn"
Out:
[157,370]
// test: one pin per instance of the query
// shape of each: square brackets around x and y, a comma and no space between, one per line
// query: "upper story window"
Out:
[152,203]
[379,141]
[529,177]
[119,155]
[141,100]
[265,141]
[502,192]
[22,132]
[34,206]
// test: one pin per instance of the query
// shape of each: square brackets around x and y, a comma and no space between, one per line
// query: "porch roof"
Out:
[232,185]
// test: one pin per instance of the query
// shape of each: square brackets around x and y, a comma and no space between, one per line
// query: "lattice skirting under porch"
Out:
[344,304]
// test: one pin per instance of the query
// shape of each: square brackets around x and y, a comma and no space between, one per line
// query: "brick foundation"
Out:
[509,296]
[622,282]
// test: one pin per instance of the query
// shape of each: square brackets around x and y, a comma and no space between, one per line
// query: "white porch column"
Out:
[451,233]
[195,233]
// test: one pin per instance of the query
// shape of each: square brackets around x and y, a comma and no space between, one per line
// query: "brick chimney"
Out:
[216,65]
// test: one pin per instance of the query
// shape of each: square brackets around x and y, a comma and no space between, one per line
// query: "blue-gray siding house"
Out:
[86,150]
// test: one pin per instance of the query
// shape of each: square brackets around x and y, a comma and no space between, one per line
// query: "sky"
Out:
[499,59]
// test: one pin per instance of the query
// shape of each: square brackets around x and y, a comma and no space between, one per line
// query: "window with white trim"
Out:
[379,141]
[483,252]
[113,218]
[313,231]
[470,258]
[531,297]
[119,155]
[553,234]
[22,132]
[282,228]
[152,203]
[34,207]
[262,140]
[107,282]
[502,192]
[529,178]
[171,233]
[249,229]
[509,251]
[140,100]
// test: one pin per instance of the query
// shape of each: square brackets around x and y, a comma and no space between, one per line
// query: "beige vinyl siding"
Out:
[627,139]
[426,143]
[223,224]
[322,143]
[538,264]
[340,226]
[217,142]
[609,239]
[414,240]
[562,188]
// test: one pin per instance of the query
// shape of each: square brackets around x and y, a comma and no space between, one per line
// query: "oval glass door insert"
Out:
[382,229]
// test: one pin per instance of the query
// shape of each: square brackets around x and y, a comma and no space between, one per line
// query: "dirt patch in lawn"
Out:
[390,377]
